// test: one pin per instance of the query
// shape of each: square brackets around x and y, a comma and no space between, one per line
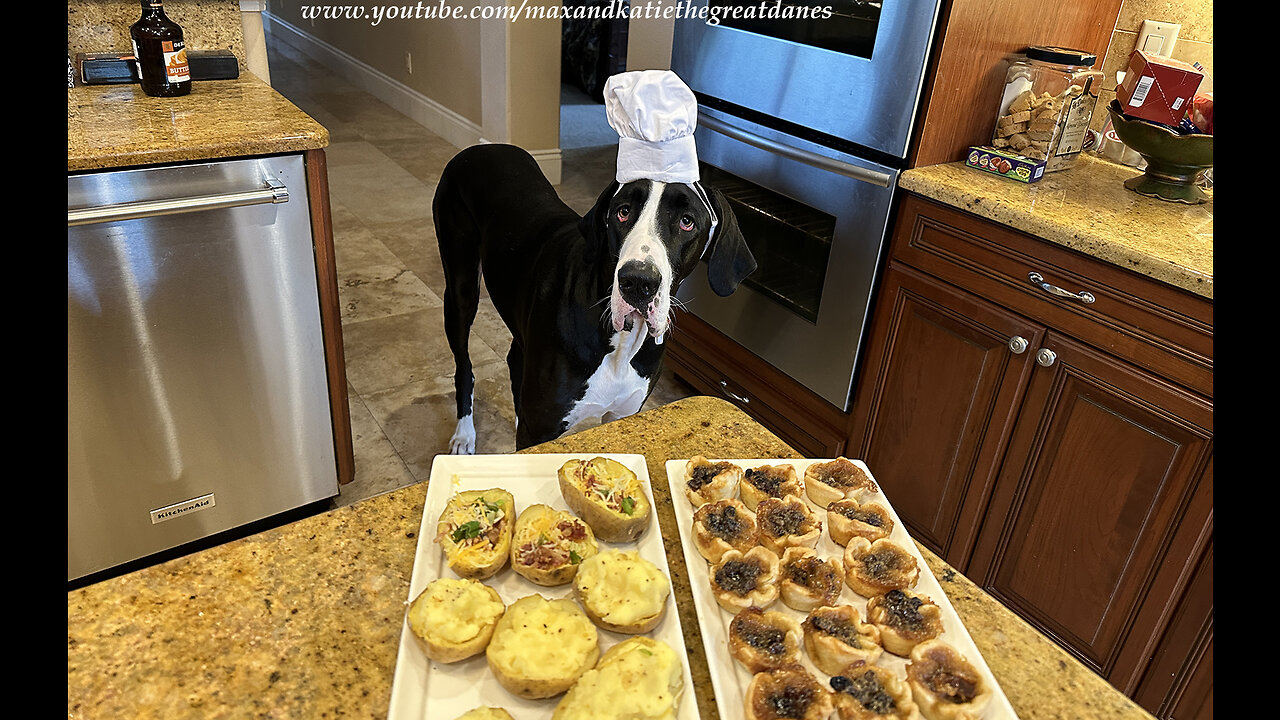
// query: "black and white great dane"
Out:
[587,299]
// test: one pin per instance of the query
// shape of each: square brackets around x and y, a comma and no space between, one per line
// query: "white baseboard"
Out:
[454,128]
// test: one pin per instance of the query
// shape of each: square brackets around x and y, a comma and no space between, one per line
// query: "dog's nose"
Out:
[638,281]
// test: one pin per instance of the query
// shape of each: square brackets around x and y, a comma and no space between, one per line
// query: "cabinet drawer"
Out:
[1156,326]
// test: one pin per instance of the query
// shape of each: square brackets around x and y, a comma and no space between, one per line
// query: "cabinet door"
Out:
[1106,477]
[936,404]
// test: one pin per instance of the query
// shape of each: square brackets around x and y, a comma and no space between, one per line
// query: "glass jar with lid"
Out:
[1047,102]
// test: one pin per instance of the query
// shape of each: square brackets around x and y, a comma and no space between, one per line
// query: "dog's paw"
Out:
[463,441]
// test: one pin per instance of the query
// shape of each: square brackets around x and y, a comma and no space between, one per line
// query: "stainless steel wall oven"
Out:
[804,124]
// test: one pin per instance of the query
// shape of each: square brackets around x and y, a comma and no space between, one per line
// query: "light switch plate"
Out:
[1158,38]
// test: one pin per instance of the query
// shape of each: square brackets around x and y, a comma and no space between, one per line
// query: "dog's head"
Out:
[658,232]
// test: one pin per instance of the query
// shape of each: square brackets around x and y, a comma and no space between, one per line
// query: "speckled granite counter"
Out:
[114,126]
[303,621]
[1088,209]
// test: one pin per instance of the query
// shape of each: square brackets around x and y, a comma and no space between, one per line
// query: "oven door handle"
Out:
[809,158]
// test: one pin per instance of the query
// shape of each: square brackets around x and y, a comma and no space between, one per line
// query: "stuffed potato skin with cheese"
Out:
[622,592]
[549,544]
[541,647]
[454,618]
[475,530]
[638,679]
[608,495]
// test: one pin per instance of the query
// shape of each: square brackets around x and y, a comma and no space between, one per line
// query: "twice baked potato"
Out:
[485,713]
[541,647]
[638,679]
[454,618]
[621,591]
[608,496]
[475,530]
[549,544]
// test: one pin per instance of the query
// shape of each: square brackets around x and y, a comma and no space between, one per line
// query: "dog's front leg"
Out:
[463,441]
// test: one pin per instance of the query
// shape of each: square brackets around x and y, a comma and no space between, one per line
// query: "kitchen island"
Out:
[304,621]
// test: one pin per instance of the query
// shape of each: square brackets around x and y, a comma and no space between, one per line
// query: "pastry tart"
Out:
[764,639]
[777,481]
[724,525]
[848,519]
[871,692]
[872,568]
[904,620]
[747,579]
[790,692]
[944,684]
[787,522]
[836,480]
[836,637]
[806,581]
[705,481]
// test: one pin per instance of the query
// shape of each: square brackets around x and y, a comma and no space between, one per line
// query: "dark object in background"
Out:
[160,52]
[592,49]
[109,68]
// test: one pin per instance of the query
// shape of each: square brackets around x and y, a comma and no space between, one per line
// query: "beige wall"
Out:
[1195,41]
[445,53]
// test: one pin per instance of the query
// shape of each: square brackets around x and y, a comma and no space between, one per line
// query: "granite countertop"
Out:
[116,126]
[1087,208]
[303,621]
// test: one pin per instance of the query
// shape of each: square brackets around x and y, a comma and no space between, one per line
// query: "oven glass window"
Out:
[850,28]
[791,241]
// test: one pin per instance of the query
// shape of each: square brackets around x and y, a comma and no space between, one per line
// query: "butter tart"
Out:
[765,481]
[747,579]
[724,525]
[871,692]
[806,581]
[787,522]
[705,481]
[790,692]
[944,684]
[847,519]
[904,620]
[872,568]
[837,480]
[764,639]
[836,637]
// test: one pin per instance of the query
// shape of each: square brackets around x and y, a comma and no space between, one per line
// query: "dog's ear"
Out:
[594,224]
[729,259]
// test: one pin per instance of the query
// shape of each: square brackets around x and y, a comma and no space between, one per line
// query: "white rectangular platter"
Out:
[425,690]
[729,677]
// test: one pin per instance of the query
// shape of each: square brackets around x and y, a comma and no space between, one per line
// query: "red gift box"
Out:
[1157,88]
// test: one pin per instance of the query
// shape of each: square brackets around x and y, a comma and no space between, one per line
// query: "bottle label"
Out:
[175,61]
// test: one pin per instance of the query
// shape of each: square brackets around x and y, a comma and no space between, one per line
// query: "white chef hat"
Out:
[655,114]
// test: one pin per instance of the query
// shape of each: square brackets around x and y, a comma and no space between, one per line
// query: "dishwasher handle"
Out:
[273,192]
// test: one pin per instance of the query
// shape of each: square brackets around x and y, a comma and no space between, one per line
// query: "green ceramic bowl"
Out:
[1173,161]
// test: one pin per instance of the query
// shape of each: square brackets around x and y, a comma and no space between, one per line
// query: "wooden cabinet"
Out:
[1056,451]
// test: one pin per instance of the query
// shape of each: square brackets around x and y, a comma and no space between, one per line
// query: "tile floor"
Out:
[383,169]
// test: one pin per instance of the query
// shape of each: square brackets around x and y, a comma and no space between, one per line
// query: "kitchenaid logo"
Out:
[186,507]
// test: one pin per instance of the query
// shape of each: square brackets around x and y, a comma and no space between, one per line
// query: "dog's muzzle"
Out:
[639,285]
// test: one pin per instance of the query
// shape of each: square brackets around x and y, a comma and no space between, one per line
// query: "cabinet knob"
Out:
[1046,357]
[1018,344]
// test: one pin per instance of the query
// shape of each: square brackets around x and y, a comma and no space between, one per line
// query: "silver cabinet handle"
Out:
[273,192]
[724,388]
[1037,279]
[1018,345]
[1046,357]
[808,158]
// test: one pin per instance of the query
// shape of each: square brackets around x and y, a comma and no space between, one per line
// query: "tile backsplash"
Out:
[103,25]
[1195,41]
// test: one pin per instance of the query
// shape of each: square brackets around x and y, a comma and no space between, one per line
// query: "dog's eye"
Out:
[686,222]
[624,212]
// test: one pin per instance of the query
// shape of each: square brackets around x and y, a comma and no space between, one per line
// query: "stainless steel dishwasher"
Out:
[196,390]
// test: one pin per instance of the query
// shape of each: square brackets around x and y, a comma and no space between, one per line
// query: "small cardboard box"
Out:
[1157,88]
[1005,164]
